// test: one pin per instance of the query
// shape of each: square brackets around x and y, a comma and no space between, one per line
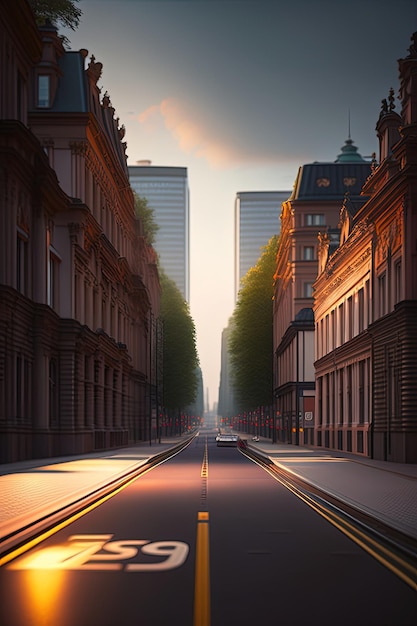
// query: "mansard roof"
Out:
[305,315]
[332,180]
[72,93]
[74,90]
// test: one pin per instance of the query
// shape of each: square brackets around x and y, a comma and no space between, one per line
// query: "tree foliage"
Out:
[146,215]
[62,12]
[251,337]
[180,359]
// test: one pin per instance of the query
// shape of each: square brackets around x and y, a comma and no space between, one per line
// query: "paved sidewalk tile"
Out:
[386,490]
[33,489]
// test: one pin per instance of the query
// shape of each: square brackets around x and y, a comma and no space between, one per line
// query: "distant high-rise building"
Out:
[227,408]
[256,221]
[166,190]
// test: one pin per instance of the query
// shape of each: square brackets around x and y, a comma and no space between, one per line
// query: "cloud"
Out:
[192,136]
[149,117]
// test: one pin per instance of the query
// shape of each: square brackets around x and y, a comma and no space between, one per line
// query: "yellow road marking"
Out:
[31,543]
[401,568]
[204,465]
[202,572]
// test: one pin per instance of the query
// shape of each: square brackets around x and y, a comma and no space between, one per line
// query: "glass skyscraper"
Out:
[257,219]
[166,190]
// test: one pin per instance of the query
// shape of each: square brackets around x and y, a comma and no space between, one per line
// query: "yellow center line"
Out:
[389,559]
[202,572]
[204,465]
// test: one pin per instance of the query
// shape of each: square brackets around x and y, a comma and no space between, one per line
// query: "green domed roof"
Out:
[349,153]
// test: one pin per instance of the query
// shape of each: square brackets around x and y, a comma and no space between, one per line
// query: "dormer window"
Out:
[43,91]
[315,219]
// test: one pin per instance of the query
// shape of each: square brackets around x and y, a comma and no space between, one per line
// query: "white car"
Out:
[227,440]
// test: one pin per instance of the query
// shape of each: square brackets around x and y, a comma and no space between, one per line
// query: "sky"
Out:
[241,93]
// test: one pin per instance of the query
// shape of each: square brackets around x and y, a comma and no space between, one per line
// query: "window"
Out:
[20,98]
[398,282]
[19,387]
[341,392]
[320,400]
[53,392]
[327,339]
[382,292]
[22,387]
[315,219]
[308,253]
[43,91]
[349,393]
[53,278]
[308,290]
[361,392]
[22,263]
[332,331]
[48,148]
[332,398]
[361,310]
[350,319]
[327,416]
[341,325]
[321,339]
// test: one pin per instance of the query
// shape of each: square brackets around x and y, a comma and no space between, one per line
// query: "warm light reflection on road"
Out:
[299,459]
[64,556]
[97,552]
[42,591]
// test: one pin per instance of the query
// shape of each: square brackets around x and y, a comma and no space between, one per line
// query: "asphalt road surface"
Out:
[207,538]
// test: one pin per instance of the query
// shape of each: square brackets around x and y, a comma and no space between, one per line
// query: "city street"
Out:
[207,537]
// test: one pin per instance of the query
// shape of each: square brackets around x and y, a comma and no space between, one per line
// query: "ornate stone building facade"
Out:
[314,205]
[366,299]
[79,287]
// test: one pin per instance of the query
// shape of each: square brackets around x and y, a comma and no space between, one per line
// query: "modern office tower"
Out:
[166,190]
[227,408]
[256,221]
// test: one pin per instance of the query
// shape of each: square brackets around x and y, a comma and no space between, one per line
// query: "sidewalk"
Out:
[33,489]
[387,491]
[30,490]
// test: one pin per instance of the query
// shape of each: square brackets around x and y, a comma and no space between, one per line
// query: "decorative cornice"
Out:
[94,69]
[363,227]
[78,147]
[74,230]
[352,268]
[389,239]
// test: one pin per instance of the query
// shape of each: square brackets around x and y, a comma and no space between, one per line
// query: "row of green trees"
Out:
[179,353]
[251,337]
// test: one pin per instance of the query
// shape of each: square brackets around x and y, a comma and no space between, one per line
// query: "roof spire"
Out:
[349,153]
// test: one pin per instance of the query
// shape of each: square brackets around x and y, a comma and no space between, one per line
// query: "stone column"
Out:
[99,392]
[108,389]
[89,383]
[40,386]
[117,418]
[79,418]
[39,263]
